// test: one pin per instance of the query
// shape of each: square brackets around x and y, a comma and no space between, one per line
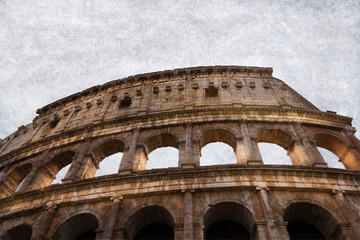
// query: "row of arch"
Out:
[136,156]
[224,220]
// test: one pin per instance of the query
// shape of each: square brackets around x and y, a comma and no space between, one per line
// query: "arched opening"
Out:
[331,159]
[310,221]
[340,148]
[274,145]
[81,226]
[163,157]
[55,170]
[228,220]
[15,179]
[108,156]
[61,174]
[161,151]
[274,154]
[217,146]
[109,165]
[23,232]
[217,153]
[150,223]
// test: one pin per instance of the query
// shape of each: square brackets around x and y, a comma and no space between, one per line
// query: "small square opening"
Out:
[126,102]
[213,92]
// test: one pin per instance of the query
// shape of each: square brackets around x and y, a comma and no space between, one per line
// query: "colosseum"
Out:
[185,109]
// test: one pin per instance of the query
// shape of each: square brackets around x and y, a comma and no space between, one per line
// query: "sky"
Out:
[52,49]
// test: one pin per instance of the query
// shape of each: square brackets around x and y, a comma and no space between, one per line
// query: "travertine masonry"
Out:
[185,109]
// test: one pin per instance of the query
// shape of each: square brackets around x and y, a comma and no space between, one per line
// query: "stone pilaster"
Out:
[259,231]
[249,146]
[188,214]
[282,228]
[112,216]
[198,231]
[119,233]
[303,151]
[127,163]
[26,185]
[43,225]
[187,161]
[268,213]
[352,232]
[74,170]
[28,179]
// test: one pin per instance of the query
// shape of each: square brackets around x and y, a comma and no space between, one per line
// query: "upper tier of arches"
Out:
[299,141]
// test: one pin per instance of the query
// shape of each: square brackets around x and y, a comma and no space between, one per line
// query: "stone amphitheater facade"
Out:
[185,109]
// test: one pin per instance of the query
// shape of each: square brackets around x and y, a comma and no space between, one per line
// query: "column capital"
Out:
[117,199]
[337,190]
[188,124]
[259,188]
[348,130]
[184,190]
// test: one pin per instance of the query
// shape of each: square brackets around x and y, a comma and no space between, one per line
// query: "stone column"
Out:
[260,232]
[267,209]
[349,215]
[188,214]
[304,152]
[198,231]
[127,164]
[4,171]
[249,147]
[119,233]
[28,182]
[196,152]
[178,231]
[74,170]
[28,179]
[42,227]
[112,217]
[282,228]
[187,161]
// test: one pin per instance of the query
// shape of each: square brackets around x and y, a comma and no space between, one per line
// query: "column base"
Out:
[320,164]
[187,165]
[254,162]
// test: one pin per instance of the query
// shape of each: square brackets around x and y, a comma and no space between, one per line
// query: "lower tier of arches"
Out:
[211,203]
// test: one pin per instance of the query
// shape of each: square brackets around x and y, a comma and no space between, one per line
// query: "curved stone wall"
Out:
[185,109]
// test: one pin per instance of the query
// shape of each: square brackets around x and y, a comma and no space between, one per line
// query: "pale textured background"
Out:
[52,49]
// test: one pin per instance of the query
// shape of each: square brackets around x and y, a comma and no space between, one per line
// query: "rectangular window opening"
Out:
[211,92]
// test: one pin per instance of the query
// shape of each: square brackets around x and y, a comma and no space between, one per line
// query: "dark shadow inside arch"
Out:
[153,222]
[228,220]
[155,231]
[19,232]
[227,230]
[303,230]
[81,226]
[310,221]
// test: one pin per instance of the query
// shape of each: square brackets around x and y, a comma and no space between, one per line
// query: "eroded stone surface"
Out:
[185,109]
